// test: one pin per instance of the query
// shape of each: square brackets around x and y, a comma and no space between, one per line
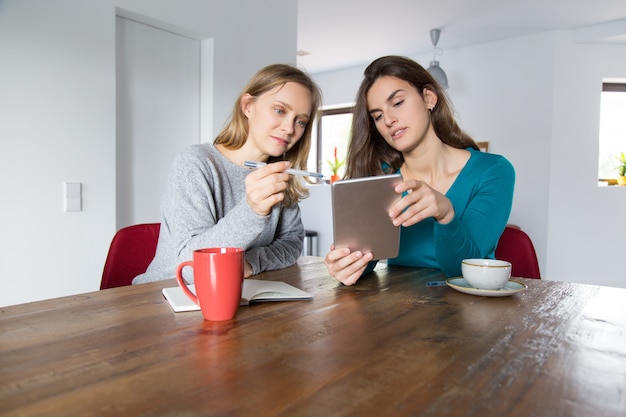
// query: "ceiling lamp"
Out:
[434,69]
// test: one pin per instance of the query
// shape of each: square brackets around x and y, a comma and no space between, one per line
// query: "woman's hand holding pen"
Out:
[421,202]
[265,187]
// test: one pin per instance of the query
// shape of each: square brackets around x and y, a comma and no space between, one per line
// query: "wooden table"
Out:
[387,346]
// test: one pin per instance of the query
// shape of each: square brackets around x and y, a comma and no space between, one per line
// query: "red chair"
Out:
[131,251]
[516,247]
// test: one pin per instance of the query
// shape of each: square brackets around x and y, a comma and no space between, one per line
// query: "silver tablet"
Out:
[360,215]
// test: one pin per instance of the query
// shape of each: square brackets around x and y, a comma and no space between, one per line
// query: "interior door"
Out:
[158,113]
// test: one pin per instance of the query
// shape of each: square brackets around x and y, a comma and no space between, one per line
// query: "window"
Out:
[612,128]
[333,131]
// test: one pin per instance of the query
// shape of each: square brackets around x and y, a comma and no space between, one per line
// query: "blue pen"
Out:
[291,171]
[436,284]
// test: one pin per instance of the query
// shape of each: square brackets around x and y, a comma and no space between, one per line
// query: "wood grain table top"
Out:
[386,346]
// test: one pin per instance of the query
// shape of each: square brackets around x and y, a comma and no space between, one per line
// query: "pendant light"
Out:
[434,69]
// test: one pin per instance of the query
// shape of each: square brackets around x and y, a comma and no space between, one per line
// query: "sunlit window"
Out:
[612,129]
[332,132]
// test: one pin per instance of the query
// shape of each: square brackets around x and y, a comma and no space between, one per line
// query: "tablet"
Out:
[360,215]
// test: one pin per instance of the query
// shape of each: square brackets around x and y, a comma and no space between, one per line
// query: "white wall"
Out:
[57,110]
[57,122]
[587,224]
[536,100]
[317,215]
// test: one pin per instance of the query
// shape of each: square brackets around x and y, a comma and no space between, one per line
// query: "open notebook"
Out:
[254,290]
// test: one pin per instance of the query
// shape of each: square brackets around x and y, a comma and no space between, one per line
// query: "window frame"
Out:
[330,111]
[617,86]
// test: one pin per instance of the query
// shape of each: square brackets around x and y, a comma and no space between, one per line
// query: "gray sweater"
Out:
[205,206]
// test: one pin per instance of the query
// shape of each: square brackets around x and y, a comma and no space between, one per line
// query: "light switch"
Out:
[73,196]
[72,190]
[73,204]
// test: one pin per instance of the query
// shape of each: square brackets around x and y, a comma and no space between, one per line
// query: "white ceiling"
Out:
[343,33]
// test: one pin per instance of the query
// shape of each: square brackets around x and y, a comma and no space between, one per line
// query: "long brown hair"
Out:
[368,151]
[235,133]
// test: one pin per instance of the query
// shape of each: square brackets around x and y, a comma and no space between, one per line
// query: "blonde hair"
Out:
[235,133]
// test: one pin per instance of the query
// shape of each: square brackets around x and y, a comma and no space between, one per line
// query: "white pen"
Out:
[252,164]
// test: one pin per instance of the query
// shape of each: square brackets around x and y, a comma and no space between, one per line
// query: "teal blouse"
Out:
[482,196]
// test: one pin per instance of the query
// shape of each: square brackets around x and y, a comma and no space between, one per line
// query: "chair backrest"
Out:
[131,251]
[516,247]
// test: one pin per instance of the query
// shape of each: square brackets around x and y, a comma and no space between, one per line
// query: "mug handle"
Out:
[183,284]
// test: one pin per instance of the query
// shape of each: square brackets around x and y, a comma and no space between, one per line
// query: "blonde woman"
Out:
[212,200]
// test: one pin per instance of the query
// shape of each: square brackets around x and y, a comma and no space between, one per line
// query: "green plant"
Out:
[335,164]
[621,168]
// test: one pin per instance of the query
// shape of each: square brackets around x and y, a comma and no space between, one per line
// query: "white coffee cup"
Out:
[486,274]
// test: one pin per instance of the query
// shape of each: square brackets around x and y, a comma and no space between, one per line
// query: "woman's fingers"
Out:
[346,266]
[420,202]
[265,187]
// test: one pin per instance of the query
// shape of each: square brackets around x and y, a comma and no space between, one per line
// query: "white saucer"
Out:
[510,287]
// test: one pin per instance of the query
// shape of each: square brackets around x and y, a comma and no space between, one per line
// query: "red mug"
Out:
[218,278]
